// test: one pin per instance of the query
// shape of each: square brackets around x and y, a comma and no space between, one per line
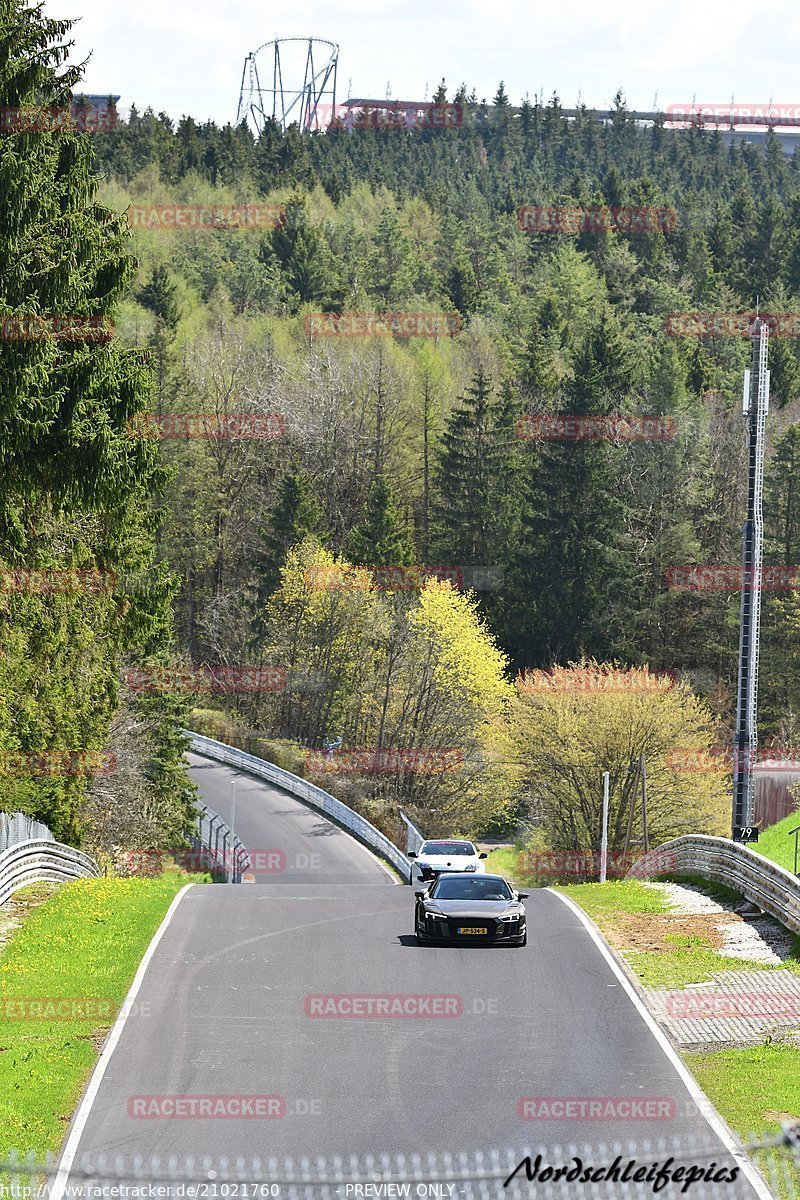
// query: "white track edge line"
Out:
[702,1101]
[392,874]
[96,1078]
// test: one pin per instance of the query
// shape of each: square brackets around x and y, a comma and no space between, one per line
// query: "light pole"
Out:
[233,828]
[795,831]
[604,838]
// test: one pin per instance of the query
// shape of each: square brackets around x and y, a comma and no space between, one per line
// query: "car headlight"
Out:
[434,916]
[510,917]
[471,867]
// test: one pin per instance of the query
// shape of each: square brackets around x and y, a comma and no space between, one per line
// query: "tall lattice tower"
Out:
[755,408]
[292,81]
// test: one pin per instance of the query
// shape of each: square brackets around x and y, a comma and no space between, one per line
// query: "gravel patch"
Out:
[685,898]
[758,938]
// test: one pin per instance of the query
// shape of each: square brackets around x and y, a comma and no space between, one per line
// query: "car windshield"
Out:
[454,848]
[481,887]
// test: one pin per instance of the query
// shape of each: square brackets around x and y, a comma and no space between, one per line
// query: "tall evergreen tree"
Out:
[476,479]
[569,588]
[75,486]
[381,539]
[296,514]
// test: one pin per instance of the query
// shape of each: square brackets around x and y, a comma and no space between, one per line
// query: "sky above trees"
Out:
[186,57]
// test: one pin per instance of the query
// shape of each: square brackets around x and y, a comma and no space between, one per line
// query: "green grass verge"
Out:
[603,900]
[86,943]
[776,844]
[754,1089]
[506,861]
[689,958]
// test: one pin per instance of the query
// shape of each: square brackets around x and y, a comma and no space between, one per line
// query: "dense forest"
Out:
[370,515]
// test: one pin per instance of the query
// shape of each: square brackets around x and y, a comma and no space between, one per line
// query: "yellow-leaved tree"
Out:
[411,682]
[575,722]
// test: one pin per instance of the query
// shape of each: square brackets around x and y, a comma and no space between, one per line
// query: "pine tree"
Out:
[306,262]
[569,586]
[381,539]
[75,487]
[477,477]
[159,296]
[296,514]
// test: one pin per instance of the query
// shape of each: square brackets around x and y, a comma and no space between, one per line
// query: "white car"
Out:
[444,857]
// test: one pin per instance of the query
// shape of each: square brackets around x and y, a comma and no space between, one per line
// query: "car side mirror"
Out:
[523,895]
[411,854]
[484,855]
[419,895]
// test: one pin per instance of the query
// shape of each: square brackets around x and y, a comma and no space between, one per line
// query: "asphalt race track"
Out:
[229,1006]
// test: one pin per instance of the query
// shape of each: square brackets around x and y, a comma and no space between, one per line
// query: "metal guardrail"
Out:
[414,836]
[219,847]
[321,800]
[18,827]
[772,888]
[38,860]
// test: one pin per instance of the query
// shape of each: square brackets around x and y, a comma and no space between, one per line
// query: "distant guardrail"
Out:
[38,860]
[315,796]
[414,835]
[772,888]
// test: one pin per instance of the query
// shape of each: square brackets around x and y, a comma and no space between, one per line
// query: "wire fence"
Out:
[17,827]
[220,851]
[599,1171]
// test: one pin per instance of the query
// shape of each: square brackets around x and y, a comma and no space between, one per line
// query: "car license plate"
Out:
[473,929]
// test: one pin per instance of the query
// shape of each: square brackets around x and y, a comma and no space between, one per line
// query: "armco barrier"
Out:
[414,836]
[772,888]
[38,860]
[308,792]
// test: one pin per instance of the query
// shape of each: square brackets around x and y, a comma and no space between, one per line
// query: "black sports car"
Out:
[480,909]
